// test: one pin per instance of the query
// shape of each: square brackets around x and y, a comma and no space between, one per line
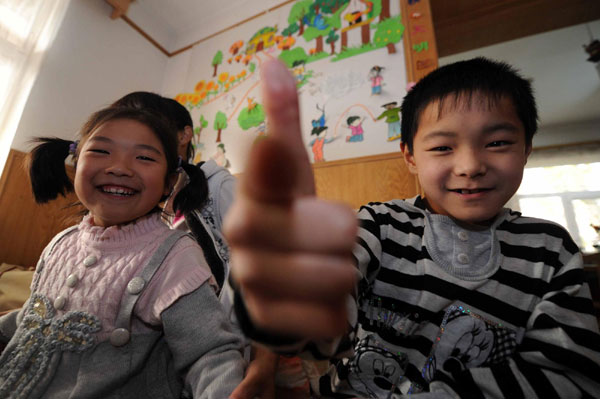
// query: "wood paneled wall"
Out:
[26,227]
[358,181]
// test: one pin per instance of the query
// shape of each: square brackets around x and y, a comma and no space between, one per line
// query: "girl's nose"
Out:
[470,163]
[119,167]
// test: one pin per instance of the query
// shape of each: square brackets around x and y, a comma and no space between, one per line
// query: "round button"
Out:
[135,285]
[463,258]
[89,261]
[463,236]
[119,337]
[72,280]
[60,302]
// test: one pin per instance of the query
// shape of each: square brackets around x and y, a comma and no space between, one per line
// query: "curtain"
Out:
[565,155]
[27,28]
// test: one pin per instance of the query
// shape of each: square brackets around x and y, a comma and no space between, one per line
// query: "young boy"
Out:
[456,296]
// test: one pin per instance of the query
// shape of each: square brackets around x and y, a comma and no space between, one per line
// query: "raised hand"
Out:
[291,252]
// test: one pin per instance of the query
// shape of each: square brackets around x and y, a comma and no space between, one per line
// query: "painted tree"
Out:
[385,10]
[198,129]
[298,12]
[290,30]
[217,59]
[321,22]
[330,6]
[220,124]
[332,37]
[251,116]
[295,55]
[388,33]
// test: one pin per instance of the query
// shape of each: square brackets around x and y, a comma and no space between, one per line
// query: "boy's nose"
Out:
[470,164]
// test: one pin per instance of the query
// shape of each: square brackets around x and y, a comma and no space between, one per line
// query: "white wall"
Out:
[566,85]
[93,61]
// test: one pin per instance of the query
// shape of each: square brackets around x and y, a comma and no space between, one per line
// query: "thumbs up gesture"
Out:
[291,253]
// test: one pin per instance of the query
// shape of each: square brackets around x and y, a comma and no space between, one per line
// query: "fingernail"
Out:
[276,77]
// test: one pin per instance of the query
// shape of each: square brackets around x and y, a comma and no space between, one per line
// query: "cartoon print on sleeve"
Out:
[375,371]
[467,340]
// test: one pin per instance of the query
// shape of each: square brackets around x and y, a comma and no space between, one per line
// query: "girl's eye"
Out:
[145,158]
[98,150]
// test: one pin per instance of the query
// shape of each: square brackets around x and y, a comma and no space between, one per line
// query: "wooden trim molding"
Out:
[420,49]
[118,11]
[120,7]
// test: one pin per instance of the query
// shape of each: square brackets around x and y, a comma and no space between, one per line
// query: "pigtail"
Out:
[47,170]
[194,194]
[193,197]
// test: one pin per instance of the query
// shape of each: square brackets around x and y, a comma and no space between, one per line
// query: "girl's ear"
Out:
[185,136]
[170,184]
[409,159]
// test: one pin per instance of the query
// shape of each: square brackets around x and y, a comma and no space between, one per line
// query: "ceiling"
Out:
[544,38]
[459,25]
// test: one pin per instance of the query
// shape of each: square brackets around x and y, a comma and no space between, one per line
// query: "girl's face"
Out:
[121,172]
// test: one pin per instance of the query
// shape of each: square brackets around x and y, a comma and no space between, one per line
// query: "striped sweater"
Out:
[443,311]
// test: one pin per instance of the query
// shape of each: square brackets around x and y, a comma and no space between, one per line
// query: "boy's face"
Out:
[469,158]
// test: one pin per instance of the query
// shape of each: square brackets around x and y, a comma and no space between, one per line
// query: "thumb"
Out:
[278,167]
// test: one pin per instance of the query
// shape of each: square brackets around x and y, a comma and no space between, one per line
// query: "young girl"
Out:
[119,305]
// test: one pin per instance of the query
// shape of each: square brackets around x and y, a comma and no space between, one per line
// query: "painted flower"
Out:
[199,86]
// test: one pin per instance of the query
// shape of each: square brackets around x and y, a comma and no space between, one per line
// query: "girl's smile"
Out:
[121,172]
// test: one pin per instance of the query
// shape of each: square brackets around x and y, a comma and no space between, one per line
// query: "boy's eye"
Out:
[441,148]
[499,143]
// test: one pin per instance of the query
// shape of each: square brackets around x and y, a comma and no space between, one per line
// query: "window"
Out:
[27,27]
[563,185]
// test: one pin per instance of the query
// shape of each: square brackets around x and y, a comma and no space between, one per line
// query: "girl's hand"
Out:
[291,252]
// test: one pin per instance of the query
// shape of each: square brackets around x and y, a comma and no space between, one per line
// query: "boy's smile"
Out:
[469,156]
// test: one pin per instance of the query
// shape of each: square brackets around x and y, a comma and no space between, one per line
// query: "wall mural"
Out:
[347,58]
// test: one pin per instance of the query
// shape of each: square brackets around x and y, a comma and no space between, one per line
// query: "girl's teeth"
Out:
[118,191]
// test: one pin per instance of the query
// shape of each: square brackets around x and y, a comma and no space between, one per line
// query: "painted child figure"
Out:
[442,296]
[120,304]
[392,118]
[354,123]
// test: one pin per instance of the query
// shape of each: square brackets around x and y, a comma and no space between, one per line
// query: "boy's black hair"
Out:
[166,108]
[463,79]
[47,160]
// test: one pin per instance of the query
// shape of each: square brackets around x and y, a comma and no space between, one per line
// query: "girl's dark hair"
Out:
[47,160]
[47,171]
[352,119]
[194,194]
[167,108]
[463,79]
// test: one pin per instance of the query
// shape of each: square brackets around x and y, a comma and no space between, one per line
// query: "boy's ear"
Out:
[409,159]
[185,136]
[528,149]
